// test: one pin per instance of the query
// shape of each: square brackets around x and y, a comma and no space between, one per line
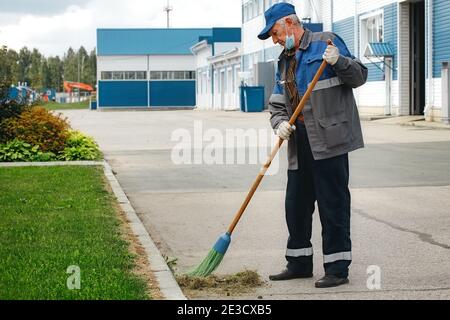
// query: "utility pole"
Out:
[78,69]
[168,9]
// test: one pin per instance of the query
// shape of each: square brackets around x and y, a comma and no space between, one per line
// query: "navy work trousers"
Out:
[324,181]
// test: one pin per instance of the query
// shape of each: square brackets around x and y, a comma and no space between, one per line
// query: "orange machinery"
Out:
[69,86]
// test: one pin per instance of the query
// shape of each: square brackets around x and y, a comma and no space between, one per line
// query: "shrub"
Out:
[12,109]
[80,147]
[38,126]
[9,109]
[19,151]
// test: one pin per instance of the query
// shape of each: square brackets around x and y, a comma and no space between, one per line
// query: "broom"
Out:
[216,254]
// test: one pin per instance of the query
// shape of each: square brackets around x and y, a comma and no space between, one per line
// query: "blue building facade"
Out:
[404,44]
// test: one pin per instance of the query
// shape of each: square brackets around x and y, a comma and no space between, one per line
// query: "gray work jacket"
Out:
[331,115]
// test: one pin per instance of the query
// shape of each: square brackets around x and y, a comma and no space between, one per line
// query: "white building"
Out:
[141,68]
[218,64]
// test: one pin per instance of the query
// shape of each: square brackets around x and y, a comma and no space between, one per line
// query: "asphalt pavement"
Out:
[400,185]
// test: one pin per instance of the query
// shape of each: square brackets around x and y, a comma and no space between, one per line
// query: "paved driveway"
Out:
[400,212]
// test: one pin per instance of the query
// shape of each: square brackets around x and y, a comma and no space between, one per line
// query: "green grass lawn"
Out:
[56,217]
[66,106]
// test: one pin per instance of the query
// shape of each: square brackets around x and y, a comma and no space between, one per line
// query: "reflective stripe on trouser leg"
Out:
[331,177]
[295,253]
[300,205]
[330,258]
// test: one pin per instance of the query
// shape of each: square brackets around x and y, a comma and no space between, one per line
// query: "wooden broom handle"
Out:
[277,147]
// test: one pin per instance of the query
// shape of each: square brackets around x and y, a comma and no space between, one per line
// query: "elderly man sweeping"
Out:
[326,131]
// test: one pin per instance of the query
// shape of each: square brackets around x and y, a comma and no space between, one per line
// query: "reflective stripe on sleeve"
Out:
[328,83]
[277,98]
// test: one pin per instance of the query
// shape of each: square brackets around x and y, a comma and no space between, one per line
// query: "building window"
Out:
[371,31]
[124,75]
[172,75]
[106,75]
[141,75]
[253,8]
[118,75]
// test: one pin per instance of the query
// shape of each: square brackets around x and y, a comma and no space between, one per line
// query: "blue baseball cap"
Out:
[273,14]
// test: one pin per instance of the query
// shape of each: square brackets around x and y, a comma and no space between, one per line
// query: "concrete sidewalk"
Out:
[412,121]
[400,219]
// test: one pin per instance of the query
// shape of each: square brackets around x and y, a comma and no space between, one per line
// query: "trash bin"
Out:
[93,105]
[252,99]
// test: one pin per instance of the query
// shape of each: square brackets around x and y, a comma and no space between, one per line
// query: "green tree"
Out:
[46,76]
[41,72]
[56,73]
[24,65]
[5,73]
[90,69]
[35,70]
[70,65]
[12,58]
[82,62]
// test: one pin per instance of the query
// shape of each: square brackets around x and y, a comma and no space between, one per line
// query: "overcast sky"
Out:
[54,25]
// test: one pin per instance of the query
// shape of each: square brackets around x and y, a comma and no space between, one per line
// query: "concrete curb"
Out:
[167,284]
[406,121]
[364,117]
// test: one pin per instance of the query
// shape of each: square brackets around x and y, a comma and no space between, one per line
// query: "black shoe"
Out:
[289,275]
[330,281]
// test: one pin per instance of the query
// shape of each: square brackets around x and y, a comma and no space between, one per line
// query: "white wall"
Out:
[224,97]
[343,9]
[172,63]
[370,5]
[204,98]
[223,47]
[372,94]
[201,57]
[121,63]
[326,15]
[437,92]
[250,31]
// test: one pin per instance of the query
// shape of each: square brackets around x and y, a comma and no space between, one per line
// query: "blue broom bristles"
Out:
[213,259]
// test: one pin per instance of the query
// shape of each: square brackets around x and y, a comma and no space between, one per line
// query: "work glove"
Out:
[285,130]
[331,55]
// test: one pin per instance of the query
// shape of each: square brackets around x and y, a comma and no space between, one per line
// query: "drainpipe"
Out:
[429,106]
[332,14]
[356,46]
[148,81]
[356,42]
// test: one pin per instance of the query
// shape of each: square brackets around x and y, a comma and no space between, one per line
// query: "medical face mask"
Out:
[290,41]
